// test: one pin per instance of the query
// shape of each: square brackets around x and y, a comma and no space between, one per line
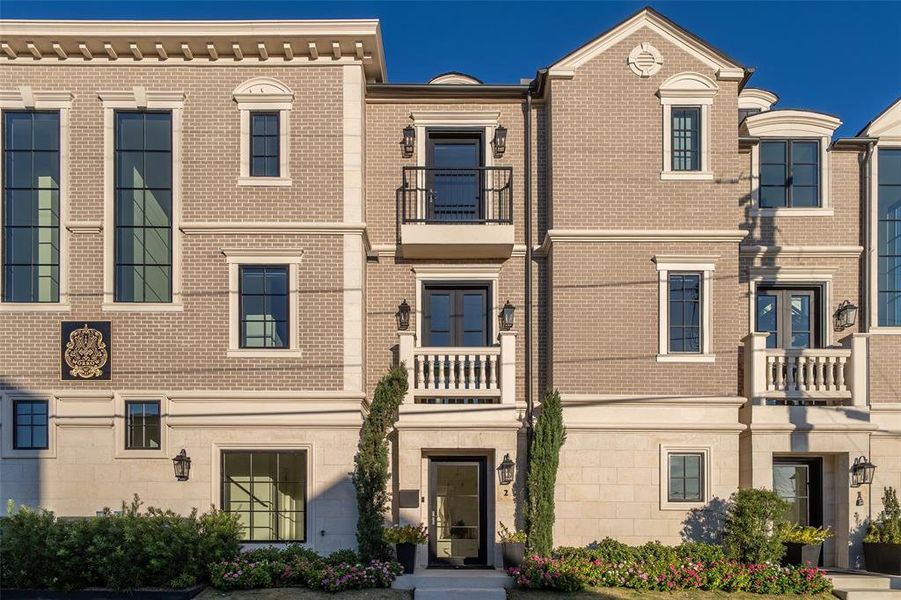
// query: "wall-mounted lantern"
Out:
[862,472]
[506,316]
[500,141]
[409,143]
[182,464]
[403,315]
[846,315]
[859,501]
[506,470]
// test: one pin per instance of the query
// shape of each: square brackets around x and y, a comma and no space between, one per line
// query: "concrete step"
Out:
[445,579]
[867,594]
[860,582]
[469,593]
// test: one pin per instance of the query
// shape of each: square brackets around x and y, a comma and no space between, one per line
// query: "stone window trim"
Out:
[7,402]
[792,125]
[872,242]
[687,90]
[120,424]
[486,121]
[705,265]
[454,273]
[269,95]
[139,98]
[236,258]
[665,451]
[26,98]
[820,277]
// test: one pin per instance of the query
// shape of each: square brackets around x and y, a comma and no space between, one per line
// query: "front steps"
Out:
[860,585]
[442,584]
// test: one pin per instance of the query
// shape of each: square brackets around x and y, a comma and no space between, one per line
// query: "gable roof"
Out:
[887,123]
[725,66]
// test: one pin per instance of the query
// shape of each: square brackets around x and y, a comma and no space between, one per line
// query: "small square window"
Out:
[789,173]
[142,425]
[264,144]
[686,477]
[30,425]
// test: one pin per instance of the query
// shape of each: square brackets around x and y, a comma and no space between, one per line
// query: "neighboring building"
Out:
[237,210]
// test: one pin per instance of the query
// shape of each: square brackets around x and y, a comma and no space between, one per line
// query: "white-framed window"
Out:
[263,302]
[142,200]
[685,100]
[685,477]
[685,288]
[264,104]
[29,427]
[140,425]
[34,240]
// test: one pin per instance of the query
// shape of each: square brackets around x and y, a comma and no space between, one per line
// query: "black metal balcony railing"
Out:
[448,196]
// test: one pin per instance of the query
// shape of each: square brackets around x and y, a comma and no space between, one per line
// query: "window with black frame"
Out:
[684,312]
[31,425]
[142,425]
[889,237]
[686,477]
[264,306]
[264,144]
[143,210]
[31,189]
[686,142]
[789,173]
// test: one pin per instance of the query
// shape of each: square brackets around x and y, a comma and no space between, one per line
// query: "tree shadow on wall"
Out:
[705,524]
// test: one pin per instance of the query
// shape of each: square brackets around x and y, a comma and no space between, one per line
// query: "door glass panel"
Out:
[792,484]
[454,178]
[439,319]
[800,318]
[457,512]
[473,319]
[768,318]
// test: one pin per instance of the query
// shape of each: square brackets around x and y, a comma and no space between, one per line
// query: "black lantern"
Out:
[846,315]
[505,470]
[506,316]
[403,315]
[182,464]
[500,141]
[862,472]
[859,501]
[409,143]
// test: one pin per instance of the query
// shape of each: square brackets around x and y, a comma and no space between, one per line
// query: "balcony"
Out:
[456,213]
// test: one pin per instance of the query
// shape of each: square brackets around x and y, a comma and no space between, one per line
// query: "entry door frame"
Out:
[783,294]
[456,288]
[463,137]
[469,274]
[482,462]
[815,491]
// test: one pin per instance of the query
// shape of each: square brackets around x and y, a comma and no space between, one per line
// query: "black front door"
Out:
[455,315]
[454,177]
[458,512]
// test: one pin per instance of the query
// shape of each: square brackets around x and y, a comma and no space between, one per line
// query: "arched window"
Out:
[264,103]
[686,99]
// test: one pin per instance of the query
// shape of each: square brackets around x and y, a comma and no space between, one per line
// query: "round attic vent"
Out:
[645,60]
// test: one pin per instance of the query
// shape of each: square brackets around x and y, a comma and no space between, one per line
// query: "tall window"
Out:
[264,141]
[142,425]
[789,173]
[143,209]
[686,138]
[889,238]
[31,206]
[686,477]
[263,310]
[685,312]
[267,490]
[30,425]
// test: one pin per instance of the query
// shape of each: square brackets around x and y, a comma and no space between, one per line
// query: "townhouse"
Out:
[217,236]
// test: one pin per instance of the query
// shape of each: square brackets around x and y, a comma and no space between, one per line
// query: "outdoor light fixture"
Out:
[862,472]
[846,315]
[182,464]
[859,501]
[403,315]
[409,143]
[505,470]
[506,316]
[500,141]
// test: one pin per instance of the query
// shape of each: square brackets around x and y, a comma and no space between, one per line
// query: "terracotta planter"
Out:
[513,553]
[801,554]
[406,556]
[882,558]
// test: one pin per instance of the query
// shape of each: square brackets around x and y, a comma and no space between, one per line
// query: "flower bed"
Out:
[654,567]
[295,566]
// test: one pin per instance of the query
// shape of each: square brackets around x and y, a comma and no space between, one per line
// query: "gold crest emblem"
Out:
[86,353]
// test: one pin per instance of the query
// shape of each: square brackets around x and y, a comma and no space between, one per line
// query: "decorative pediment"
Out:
[260,88]
[757,98]
[688,85]
[455,78]
[791,123]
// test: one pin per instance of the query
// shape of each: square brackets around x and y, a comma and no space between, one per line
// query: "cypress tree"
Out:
[544,460]
[370,474]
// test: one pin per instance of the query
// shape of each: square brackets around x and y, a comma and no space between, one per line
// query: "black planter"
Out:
[801,554]
[406,556]
[882,558]
[513,553]
[102,594]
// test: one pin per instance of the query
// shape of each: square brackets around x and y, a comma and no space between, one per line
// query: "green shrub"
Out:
[887,528]
[753,520]
[343,556]
[370,474]
[544,459]
[407,534]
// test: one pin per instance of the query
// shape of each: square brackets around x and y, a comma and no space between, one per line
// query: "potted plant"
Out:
[513,544]
[882,544]
[405,538]
[802,544]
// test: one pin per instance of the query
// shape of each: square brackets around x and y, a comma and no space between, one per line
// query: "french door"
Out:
[790,315]
[454,176]
[456,315]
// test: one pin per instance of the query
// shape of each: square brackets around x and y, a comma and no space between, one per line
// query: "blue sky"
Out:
[836,57]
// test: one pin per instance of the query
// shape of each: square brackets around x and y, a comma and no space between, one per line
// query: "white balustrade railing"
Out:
[808,373]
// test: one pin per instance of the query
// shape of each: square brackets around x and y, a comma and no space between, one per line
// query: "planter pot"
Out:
[882,558]
[513,553]
[102,594]
[801,554]
[406,556]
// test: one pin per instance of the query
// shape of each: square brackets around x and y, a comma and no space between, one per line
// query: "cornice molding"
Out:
[641,235]
[482,117]
[288,227]
[84,226]
[801,251]
[26,97]
[791,122]
[757,98]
